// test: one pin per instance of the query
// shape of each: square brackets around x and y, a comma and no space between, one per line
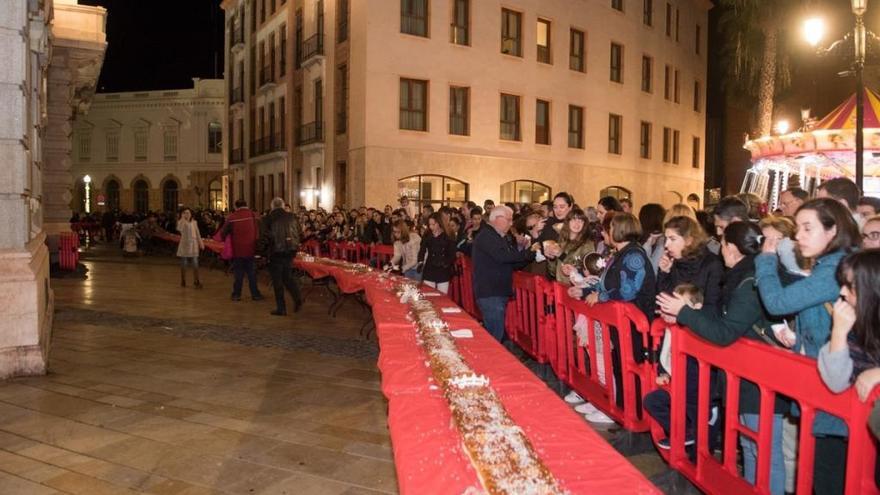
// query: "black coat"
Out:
[495,259]
[438,255]
[705,271]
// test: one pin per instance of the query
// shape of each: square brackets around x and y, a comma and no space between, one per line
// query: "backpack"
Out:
[285,236]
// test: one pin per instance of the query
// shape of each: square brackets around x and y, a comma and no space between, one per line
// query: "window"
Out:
[648,12]
[677,16]
[112,146]
[140,144]
[616,192]
[698,96]
[282,186]
[615,125]
[667,82]
[576,51]
[459,110]
[617,5]
[215,195]
[215,136]
[616,63]
[282,47]
[414,104]
[253,11]
[510,117]
[169,138]
[461,18]
[253,74]
[342,102]
[141,196]
[262,10]
[433,190]
[677,88]
[271,188]
[675,146]
[668,19]
[645,140]
[85,146]
[111,191]
[298,38]
[341,20]
[169,195]
[525,191]
[575,127]
[414,17]
[647,74]
[511,32]
[281,140]
[543,37]
[667,145]
[698,35]
[695,152]
[542,122]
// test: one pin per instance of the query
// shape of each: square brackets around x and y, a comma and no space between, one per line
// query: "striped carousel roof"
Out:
[844,116]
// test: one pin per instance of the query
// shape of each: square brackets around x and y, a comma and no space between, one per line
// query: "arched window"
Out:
[141,196]
[169,195]
[111,195]
[525,191]
[434,190]
[215,195]
[616,192]
[672,197]
[693,200]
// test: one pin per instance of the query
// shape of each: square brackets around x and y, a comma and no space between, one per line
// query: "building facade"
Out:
[453,100]
[151,150]
[52,52]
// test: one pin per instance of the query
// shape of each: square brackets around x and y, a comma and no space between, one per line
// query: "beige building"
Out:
[449,100]
[51,52]
[151,150]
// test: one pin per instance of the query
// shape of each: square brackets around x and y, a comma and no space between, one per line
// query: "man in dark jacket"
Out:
[243,226]
[279,238]
[495,259]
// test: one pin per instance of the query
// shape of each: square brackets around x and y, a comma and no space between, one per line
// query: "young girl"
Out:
[189,247]
[406,249]
[573,246]
[437,255]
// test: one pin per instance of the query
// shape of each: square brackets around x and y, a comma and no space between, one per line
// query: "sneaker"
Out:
[586,408]
[663,443]
[236,298]
[258,297]
[599,417]
[573,398]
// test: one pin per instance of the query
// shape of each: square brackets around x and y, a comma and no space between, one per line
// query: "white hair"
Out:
[277,203]
[500,211]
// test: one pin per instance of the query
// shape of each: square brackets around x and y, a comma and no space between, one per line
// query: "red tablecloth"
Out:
[428,454]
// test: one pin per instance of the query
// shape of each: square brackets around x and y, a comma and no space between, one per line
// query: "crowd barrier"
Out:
[68,250]
[774,371]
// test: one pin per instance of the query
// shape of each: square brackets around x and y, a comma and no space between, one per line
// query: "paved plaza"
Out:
[159,389]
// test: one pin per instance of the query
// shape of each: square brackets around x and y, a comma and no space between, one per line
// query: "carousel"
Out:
[819,151]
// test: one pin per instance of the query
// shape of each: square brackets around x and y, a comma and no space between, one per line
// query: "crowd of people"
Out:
[803,278]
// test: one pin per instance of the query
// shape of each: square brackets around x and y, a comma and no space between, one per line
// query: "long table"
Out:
[428,452]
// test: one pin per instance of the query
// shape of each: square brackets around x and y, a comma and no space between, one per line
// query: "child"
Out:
[695,300]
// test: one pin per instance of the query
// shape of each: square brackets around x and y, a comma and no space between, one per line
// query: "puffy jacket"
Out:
[244,227]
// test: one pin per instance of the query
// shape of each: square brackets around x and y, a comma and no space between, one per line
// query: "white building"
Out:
[151,150]
[449,100]
[52,52]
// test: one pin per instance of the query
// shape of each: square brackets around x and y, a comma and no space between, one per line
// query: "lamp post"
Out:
[87,183]
[814,30]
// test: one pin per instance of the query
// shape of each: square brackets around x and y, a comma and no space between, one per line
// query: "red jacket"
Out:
[243,225]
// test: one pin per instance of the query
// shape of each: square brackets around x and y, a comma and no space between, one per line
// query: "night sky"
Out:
[160,44]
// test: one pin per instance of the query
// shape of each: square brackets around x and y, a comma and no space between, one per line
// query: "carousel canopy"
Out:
[844,116]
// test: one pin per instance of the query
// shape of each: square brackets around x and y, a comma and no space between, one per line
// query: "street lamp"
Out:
[782,127]
[814,30]
[87,181]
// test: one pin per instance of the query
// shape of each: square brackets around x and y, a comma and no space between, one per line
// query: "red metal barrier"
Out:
[528,326]
[590,373]
[467,288]
[381,254]
[334,250]
[313,247]
[774,371]
[455,282]
[68,250]
[351,251]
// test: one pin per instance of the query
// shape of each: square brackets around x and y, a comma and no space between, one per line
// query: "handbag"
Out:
[226,253]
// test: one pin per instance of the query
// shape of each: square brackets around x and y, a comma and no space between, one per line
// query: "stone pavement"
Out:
[159,389]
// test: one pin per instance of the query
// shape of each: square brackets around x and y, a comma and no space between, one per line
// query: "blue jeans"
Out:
[750,453]
[413,274]
[240,268]
[493,310]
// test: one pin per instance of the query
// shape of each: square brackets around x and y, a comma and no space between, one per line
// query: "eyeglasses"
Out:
[874,236]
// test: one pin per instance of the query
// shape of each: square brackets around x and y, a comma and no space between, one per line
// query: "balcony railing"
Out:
[267,75]
[237,156]
[237,95]
[341,122]
[311,47]
[278,142]
[312,132]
